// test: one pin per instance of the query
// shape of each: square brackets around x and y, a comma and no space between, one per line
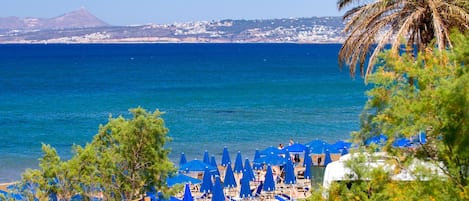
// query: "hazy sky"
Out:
[128,12]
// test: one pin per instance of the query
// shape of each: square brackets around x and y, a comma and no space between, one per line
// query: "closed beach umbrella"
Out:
[245,191]
[269,183]
[206,157]
[180,179]
[225,158]
[183,160]
[247,172]
[238,166]
[218,194]
[327,158]
[187,194]
[307,172]
[213,163]
[196,166]
[307,157]
[207,184]
[257,166]
[230,181]
[290,177]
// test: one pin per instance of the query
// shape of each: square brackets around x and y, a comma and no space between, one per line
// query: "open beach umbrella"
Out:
[272,151]
[327,158]
[187,194]
[181,178]
[183,160]
[230,181]
[340,144]
[344,151]
[257,166]
[238,166]
[401,142]
[269,182]
[225,158]
[379,140]
[218,194]
[245,191]
[207,184]
[213,163]
[295,148]
[247,172]
[206,157]
[290,177]
[196,165]
[316,143]
[271,160]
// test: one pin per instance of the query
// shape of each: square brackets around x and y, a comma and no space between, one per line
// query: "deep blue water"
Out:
[243,96]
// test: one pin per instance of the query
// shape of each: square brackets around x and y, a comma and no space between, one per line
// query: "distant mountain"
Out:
[80,18]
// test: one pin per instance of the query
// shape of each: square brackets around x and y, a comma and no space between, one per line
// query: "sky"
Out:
[133,12]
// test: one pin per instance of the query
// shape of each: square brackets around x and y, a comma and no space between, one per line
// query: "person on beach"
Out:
[280,146]
[291,142]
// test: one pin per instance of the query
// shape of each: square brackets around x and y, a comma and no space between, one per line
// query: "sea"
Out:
[242,96]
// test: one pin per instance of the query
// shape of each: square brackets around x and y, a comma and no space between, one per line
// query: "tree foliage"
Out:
[437,103]
[371,25]
[125,158]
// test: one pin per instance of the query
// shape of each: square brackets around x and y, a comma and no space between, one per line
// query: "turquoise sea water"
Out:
[243,96]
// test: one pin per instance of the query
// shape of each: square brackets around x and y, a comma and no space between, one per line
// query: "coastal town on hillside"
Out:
[82,27]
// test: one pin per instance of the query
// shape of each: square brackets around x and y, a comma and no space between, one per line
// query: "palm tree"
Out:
[372,25]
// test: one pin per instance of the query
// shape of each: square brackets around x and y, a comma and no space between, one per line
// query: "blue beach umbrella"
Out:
[257,166]
[181,178]
[218,194]
[247,172]
[271,160]
[206,157]
[401,142]
[269,183]
[183,160]
[295,148]
[230,181]
[238,166]
[187,194]
[290,177]
[344,151]
[327,158]
[316,143]
[196,165]
[225,158]
[206,186]
[379,140]
[213,163]
[272,151]
[307,172]
[245,191]
[307,157]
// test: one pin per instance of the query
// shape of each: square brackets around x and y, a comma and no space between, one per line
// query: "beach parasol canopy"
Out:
[342,145]
[401,142]
[290,177]
[295,148]
[207,185]
[206,157]
[257,166]
[225,158]
[327,158]
[182,160]
[213,163]
[272,151]
[180,179]
[238,166]
[271,160]
[245,191]
[230,181]
[269,182]
[196,166]
[218,194]
[316,143]
[187,194]
[247,172]
[379,140]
